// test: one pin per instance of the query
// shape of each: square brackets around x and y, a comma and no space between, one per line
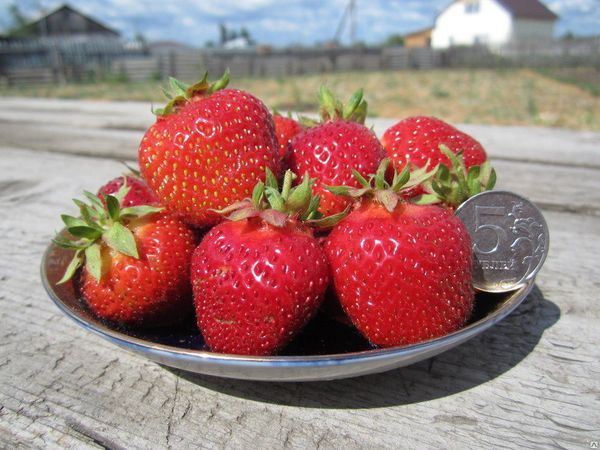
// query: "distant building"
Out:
[65,21]
[238,43]
[492,23]
[418,39]
[168,47]
[67,41]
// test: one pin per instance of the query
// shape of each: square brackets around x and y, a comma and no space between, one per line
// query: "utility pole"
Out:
[349,16]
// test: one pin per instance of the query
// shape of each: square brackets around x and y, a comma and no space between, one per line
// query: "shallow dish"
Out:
[325,350]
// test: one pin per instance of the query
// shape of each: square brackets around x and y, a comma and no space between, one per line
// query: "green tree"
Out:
[19,24]
[395,40]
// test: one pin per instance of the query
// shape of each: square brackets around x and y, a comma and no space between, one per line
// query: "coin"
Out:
[510,239]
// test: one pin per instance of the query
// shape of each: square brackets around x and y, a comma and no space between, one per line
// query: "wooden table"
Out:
[531,381]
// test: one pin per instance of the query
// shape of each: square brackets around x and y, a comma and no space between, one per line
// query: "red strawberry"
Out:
[207,149]
[416,140]
[285,129]
[402,271]
[330,151]
[139,192]
[258,280]
[137,261]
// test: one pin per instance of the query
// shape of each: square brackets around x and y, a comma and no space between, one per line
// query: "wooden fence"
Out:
[187,65]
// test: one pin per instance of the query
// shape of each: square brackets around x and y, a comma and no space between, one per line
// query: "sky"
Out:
[282,23]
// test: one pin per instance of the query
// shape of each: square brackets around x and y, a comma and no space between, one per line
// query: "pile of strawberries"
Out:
[246,218]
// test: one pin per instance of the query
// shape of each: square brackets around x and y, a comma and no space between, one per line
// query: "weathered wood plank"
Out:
[531,381]
[556,146]
[525,144]
[551,186]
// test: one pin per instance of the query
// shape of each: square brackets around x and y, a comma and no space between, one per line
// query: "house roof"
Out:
[419,32]
[97,26]
[528,9]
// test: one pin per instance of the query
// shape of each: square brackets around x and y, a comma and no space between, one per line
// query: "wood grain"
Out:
[70,118]
[531,381]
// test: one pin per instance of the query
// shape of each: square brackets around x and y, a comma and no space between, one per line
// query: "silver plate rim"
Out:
[286,368]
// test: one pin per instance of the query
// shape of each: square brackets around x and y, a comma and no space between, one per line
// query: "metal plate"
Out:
[510,239]
[325,350]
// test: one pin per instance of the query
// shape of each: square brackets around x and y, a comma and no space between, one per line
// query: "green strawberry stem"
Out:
[377,188]
[331,108]
[453,185]
[100,222]
[182,93]
[277,206]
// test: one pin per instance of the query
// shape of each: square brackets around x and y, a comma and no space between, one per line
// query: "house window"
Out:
[472,7]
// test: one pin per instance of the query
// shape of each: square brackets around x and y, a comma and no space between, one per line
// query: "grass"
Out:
[587,78]
[566,98]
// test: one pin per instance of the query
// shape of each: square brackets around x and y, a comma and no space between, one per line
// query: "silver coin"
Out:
[510,239]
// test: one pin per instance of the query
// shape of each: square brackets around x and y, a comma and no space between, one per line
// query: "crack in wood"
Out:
[93,436]
[171,413]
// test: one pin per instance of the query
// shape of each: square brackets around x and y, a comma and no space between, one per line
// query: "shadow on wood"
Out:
[476,362]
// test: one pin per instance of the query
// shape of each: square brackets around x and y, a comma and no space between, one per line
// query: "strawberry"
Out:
[207,149]
[331,150]
[135,261]
[260,277]
[416,140]
[286,129]
[139,192]
[402,271]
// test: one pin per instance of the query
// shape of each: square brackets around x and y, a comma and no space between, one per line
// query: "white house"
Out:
[493,23]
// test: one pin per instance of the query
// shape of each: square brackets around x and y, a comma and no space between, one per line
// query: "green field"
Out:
[568,98]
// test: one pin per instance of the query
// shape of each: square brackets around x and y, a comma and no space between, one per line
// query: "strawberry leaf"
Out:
[271,180]
[71,221]
[123,191]
[362,180]
[380,182]
[112,204]
[94,200]
[85,231]
[178,87]
[90,215]
[312,209]
[72,267]
[221,83]
[353,104]
[400,179]
[65,243]
[258,194]
[288,177]
[388,199]
[244,213]
[338,190]
[273,217]
[93,261]
[139,211]
[491,181]
[331,221]
[121,239]
[425,199]
[300,196]
[275,199]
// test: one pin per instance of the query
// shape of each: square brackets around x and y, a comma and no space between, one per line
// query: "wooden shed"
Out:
[418,39]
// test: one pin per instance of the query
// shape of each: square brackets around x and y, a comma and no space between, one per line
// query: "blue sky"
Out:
[282,23]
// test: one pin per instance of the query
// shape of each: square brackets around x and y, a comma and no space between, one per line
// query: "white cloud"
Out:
[281,23]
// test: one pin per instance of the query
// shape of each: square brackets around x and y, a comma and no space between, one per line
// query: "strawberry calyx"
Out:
[182,93]
[279,206]
[452,185]
[377,187]
[331,108]
[101,221]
